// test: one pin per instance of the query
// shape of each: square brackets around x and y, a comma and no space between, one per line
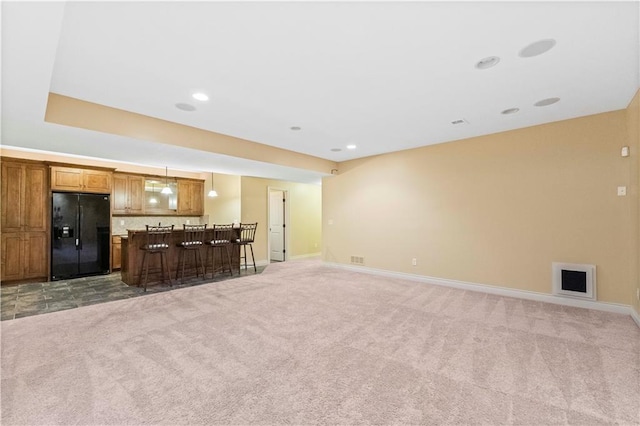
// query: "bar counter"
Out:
[132,257]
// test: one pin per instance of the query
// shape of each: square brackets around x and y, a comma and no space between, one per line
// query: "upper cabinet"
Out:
[24,197]
[190,197]
[83,180]
[128,194]
[156,196]
[157,202]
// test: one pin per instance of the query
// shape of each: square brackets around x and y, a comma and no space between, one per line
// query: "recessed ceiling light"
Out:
[548,101]
[336,149]
[352,146]
[537,48]
[185,107]
[200,97]
[510,111]
[488,62]
[295,128]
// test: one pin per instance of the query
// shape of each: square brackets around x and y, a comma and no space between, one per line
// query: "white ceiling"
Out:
[385,76]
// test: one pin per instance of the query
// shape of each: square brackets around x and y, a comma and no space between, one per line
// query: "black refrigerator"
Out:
[81,229]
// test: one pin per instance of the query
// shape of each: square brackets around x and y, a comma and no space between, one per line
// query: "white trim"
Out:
[500,291]
[636,316]
[305,256]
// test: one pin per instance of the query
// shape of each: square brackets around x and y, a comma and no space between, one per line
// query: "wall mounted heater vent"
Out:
[574,280]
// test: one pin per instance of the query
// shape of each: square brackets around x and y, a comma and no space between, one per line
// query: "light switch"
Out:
[622,191]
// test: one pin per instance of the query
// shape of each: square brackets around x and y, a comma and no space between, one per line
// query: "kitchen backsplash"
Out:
[120,224]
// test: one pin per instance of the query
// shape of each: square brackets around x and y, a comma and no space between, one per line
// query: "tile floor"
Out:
[22,300]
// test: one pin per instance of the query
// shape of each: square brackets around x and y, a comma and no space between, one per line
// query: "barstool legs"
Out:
[164,268]
[213,260]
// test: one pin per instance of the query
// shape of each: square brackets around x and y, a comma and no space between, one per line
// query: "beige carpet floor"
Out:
[303,343]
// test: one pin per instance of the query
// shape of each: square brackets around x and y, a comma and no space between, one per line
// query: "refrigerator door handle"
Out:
[79,239]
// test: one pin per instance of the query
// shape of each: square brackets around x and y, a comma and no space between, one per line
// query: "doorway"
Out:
[278,218]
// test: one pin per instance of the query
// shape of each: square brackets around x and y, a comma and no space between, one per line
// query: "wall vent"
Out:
[574,280]
[459,121]
[357,260]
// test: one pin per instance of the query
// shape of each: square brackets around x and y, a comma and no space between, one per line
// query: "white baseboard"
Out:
[305,256]
[500,291]
[635,316]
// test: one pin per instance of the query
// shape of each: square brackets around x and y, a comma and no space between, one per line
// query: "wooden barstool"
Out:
[221,239]
[247,236]
[156,243]
[192,242]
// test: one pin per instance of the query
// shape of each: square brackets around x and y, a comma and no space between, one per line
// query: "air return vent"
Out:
[574,280]
[357,260]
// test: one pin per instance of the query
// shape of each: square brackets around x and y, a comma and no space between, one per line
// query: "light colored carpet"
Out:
[304,343]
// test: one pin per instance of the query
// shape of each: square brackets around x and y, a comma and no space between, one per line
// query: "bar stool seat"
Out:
[156,243]
[193,241]
[247,237]
[221,239]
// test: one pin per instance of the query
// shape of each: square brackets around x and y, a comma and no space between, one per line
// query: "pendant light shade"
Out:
[213,192]
[166,189]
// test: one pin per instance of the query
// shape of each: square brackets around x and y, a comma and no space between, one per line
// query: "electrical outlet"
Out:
[414,261]
[122,223]
[188,222]
[622,191]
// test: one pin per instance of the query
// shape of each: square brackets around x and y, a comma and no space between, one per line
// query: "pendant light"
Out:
[166,189]
[213,192]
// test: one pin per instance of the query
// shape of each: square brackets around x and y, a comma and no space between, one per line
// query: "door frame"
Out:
[287,222]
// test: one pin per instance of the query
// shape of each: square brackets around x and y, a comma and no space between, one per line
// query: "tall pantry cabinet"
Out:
[25,224]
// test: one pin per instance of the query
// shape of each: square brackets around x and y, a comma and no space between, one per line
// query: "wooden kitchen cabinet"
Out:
[128,194]
[24,255]
[116,252]
[25,220]
[81,180]
[190,197]
[24,197]
[12,256]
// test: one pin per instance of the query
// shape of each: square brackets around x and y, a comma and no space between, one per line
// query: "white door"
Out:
[276,224]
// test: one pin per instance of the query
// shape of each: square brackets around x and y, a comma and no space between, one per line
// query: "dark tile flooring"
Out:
[23,300]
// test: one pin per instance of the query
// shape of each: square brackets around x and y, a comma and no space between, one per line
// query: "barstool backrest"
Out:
[222,234]
[247,232]
[157,237]
[193,235]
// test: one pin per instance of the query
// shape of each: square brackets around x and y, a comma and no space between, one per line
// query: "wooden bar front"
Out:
[132,258]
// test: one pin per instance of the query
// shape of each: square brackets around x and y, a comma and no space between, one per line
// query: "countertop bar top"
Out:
[175,229]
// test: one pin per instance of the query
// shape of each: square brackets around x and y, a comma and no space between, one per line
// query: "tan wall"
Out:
[225,208]
[633,126]
[494,210]
[305,207]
